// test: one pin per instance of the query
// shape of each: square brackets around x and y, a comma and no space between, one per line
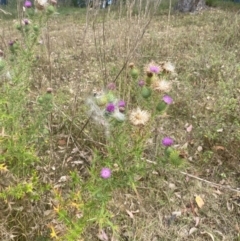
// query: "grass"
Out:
[81,53]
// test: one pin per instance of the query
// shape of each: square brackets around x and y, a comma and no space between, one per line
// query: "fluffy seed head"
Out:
[139,117]
[161,86]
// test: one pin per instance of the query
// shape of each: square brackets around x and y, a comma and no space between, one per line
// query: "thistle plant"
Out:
[126,127]
[23,116]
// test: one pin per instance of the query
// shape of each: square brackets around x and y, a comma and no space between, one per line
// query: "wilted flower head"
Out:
[111,86]
[141,83]
[161,85]
[53,2]
[1,53]
[167,99]
[131,65]
[168,67]
[40,4]
[105,173]
[25,21]
[28,4]
[49,90]
[167,141]
[121,103]
[139,117]
[110,107]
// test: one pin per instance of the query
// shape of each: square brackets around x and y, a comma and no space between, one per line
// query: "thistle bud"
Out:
[134,73]
[146,92]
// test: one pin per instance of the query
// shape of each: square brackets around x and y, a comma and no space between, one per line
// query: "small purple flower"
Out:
[121,103]
[11,43]
[154,69]
[27,4]
[111,86]
[141,83]
[167,141]
[26,22]
[167,99]
[105,173]
[110,107]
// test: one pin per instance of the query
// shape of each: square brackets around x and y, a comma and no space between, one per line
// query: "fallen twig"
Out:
[211,183]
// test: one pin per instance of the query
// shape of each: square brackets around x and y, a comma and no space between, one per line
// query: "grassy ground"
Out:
[82,54]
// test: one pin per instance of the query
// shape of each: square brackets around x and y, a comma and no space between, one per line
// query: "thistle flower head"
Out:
[110,107]
[11,43]
[28,4]
[139,117]
[121,103]
[111,86]
[105,173]
[25,21]
[153,68]
[167,99]
[167,141]
[141,83]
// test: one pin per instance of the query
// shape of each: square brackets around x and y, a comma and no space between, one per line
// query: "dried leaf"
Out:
[62,142]
[209,235]
[102,235]
[199,201]
[177,213]
[192,230]
[197,221]
[189,128]
[130,214]
[199,148]
[216,148]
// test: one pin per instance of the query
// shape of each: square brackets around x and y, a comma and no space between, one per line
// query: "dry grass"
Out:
[205,49]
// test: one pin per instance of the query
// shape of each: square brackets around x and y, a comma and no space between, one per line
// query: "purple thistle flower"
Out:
[167,99]
[27,4]
[154,69]
[121,103]
[105,173]
[110,107]
[167,141]
[111,86]
[141,83]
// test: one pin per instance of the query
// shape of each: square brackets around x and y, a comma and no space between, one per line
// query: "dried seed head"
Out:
[131,65]
[49,90]
[149,74]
